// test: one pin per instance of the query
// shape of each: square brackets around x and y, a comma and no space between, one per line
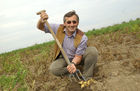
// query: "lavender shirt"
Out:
[68,43]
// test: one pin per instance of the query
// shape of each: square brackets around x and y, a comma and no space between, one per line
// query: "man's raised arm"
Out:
[40,24]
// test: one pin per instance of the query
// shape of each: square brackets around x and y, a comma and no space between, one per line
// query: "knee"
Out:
[91,55]
[54,70]
[92,51]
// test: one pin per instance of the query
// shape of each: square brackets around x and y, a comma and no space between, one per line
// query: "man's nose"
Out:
[71,24]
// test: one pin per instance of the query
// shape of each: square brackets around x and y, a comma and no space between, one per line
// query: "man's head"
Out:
[71,21]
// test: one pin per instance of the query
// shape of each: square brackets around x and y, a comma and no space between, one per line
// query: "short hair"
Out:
[69,14]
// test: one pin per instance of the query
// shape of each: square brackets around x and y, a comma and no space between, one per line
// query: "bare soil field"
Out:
[117,69]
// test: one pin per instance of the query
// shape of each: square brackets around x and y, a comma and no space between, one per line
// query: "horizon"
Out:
[53,39]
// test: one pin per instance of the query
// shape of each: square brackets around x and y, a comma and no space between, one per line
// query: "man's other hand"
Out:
[71,68]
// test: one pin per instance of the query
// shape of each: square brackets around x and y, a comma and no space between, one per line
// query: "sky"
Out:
[18,18]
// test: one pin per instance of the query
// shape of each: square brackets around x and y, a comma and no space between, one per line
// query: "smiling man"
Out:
[74,43]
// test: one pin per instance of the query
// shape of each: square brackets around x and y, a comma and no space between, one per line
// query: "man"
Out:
[74,43]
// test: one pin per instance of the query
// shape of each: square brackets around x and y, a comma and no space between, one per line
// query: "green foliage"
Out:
[12,73]
[13,66]
[132,26]
[32,48]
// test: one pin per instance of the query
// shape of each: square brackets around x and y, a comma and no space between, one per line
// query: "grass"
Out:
[17,67]
[132,26]
[13,71]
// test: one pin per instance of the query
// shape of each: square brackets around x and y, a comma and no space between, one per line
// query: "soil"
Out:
[117,69]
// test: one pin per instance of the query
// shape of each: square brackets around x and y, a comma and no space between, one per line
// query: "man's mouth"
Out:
[72,28]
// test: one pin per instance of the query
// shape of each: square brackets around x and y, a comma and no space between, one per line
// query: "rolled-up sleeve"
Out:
[53,26]
[82,46]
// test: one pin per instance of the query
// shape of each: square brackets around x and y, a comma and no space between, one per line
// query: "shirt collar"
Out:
[73,35]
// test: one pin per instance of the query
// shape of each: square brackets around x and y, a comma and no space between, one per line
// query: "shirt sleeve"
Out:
[53,26]
[82,46]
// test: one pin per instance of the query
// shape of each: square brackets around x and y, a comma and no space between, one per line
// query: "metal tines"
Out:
[77,76]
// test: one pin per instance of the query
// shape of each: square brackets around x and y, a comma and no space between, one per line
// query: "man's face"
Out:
[71,23]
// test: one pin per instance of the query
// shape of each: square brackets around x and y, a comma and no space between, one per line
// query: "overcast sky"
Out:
[18,18]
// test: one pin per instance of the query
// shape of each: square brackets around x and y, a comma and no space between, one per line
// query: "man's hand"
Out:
[71,68]
[43,16]
[40,24]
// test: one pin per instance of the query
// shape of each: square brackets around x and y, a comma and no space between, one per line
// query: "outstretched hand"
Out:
[71,68]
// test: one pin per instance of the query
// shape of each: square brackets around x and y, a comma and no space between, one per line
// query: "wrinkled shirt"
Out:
[68,43]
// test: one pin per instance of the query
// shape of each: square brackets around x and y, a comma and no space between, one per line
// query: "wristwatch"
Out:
[73,63]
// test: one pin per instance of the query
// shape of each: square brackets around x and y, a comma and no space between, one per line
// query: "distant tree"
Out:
[138,19]
[123,22]
[130,20]
[93,29]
